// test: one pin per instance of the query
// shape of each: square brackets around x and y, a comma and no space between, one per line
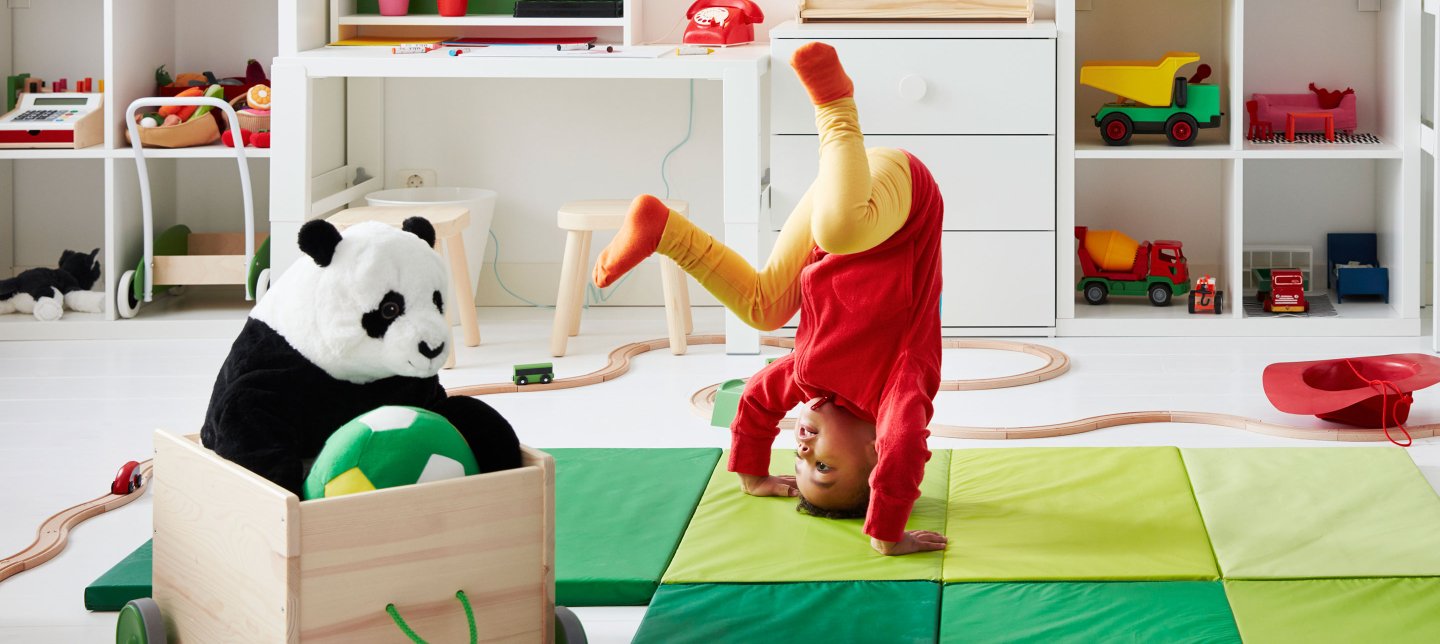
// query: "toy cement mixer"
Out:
[1112,263]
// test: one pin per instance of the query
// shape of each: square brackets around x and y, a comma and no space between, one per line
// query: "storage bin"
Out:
[240,559]
[479,201]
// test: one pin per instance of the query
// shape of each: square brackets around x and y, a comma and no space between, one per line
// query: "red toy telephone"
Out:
[722,22]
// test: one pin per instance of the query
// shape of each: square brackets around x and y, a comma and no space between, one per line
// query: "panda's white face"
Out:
[375,309]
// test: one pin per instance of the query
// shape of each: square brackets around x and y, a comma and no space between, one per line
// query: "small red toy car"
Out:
[127,480]
[1287,292]
[1204,298]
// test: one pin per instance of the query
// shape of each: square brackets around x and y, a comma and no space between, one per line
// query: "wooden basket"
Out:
[240,559]
[915,11]
[201,131]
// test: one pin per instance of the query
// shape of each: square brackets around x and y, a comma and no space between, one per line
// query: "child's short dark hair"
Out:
[855,511]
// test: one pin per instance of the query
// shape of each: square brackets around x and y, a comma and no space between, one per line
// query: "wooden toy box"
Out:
[240,559]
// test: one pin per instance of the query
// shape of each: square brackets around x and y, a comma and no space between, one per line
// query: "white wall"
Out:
[1298,202]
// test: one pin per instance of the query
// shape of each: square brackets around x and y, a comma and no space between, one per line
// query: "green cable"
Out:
[594,294]
[410,633]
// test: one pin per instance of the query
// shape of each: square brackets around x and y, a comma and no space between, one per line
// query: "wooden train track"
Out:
[53,534]
[618,364]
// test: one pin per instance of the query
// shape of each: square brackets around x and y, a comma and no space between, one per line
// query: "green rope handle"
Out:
[410,633]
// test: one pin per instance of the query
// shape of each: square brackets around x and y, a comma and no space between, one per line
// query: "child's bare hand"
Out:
[912,541]
[768,485]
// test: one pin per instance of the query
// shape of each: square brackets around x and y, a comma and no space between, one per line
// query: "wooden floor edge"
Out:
[54,532]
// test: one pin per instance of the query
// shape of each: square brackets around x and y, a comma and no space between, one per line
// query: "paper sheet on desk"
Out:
[546,51]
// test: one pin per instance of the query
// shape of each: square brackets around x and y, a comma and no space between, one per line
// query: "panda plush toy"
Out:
[357,323]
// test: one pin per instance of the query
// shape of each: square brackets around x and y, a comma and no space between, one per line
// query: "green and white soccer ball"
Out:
[388,447]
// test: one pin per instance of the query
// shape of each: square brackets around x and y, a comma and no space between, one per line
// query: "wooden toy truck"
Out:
[1159,272]
[240,559]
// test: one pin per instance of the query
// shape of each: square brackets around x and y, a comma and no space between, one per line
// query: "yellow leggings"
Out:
[859,199]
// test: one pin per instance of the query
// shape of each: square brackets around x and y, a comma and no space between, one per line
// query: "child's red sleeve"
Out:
[900,433]
[767,398]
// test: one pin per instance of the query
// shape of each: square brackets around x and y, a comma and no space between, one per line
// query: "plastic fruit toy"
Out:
[258,97]
[229,140]
[261,139]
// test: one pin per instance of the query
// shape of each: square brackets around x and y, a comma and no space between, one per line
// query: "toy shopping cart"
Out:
[178,257]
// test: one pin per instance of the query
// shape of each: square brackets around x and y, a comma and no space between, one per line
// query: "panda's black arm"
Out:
[247,428]
[490,436]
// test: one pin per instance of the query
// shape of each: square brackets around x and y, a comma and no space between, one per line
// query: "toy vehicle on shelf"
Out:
[541,372]
[1152,99]
[1156,270]
[1286,293]
[1204,298]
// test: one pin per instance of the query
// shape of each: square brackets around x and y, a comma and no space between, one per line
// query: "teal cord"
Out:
[594,294]
[410,633]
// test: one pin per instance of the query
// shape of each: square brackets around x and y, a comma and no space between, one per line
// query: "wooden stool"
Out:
[1329,123]
[449,222]
[580,220]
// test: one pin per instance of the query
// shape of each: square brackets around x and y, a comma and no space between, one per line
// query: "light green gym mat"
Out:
[864,612]
[619,514]
[1337,611]
[1086,612]
[1073,514]
[1304,513]
[735,538]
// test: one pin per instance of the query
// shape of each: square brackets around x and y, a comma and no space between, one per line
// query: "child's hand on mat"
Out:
[768,485]
[913,541]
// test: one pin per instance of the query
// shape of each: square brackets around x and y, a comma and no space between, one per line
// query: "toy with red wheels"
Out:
[1152,99]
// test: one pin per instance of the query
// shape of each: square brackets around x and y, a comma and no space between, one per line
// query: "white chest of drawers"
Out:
[976,104]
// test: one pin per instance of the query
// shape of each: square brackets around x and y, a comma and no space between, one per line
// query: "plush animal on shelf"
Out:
[45,292]
[357,323]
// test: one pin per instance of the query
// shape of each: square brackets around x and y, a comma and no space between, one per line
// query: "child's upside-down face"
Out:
[834,458]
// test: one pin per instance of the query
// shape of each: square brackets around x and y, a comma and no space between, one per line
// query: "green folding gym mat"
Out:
[619,514]
[1073,514]
[1339,611]
[736,538]
[1085,612]
[127,580]
[1304,513]
[865,612]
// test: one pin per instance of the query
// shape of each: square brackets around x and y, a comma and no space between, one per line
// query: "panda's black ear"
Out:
[420,227]
[318,239]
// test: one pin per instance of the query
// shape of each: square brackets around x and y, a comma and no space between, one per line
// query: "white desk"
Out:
[298,194]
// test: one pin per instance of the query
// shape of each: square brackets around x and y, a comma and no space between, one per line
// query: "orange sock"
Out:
[638,238]
[820,71]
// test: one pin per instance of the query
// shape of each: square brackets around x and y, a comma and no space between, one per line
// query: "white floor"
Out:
[75,410]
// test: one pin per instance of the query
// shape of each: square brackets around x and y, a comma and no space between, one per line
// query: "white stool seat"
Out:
[450,223]
[580,219]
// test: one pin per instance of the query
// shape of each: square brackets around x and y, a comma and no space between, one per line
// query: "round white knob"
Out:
[913,88]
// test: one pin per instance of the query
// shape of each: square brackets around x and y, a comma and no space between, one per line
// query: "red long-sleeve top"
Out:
[869,338]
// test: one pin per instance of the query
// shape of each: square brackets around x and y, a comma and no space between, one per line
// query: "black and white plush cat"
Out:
[357,324]
[45,292]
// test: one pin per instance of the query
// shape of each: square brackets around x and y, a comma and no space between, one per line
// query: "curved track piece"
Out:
[54,532]
[619,363]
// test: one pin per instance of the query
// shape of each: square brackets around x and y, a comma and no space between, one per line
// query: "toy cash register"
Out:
[54,120]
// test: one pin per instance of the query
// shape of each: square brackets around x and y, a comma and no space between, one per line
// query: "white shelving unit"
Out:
[1430,156]
[88,198]
[1225,193]
[347,22]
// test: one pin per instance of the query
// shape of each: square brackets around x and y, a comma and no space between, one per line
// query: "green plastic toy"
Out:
[389,446]
[727,403]
[541,372]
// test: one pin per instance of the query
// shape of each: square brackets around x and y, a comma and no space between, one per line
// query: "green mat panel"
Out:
[865,612]
[1073,514]
[129,579]
[1338,611]
[619,514]
[737,538]
[1085,612]
[1304,513]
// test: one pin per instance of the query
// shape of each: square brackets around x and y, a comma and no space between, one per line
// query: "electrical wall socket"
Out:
[415,178]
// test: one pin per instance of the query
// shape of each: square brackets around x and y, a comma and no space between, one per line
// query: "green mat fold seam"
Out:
[1204,525]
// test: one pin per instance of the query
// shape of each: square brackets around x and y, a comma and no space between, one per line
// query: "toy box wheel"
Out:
[1181,130]
[568,629]
[125,302]
[140,623]
[1116,129]
[1096,293]
[1160,295]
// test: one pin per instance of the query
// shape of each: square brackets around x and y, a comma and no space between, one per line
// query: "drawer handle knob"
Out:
[913,88]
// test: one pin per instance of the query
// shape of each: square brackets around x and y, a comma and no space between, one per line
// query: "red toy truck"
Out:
[1287,292]
[1158,272]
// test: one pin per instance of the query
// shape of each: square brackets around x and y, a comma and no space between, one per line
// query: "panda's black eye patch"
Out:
[439,302]
[378,321]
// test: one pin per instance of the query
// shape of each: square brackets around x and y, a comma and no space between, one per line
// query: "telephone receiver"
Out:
[722,22]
